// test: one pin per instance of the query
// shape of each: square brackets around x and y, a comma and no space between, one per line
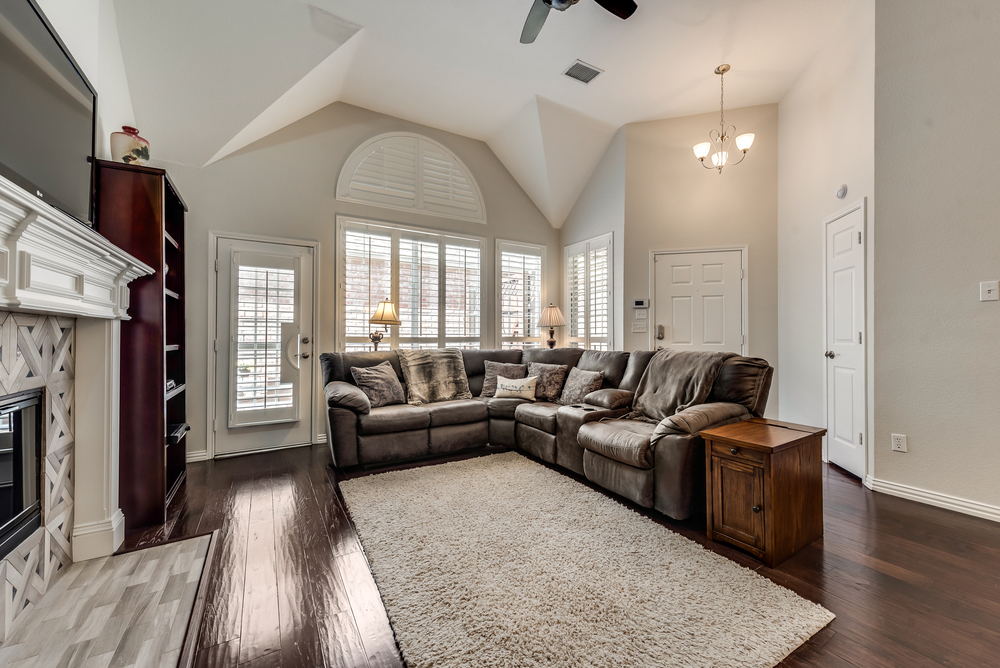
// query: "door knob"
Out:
[305,356]
[830,354]
[756,509]
[305,339]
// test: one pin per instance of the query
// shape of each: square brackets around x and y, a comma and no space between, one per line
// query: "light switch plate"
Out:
[640,313]
[989,291]
[638,328]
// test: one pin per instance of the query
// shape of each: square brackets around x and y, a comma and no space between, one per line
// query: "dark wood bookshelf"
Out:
[140,211]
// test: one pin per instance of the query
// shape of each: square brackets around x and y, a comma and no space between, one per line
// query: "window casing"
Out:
[521,294]
[589,308]
[434,279]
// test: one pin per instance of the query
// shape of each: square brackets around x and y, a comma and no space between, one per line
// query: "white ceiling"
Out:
[208,77]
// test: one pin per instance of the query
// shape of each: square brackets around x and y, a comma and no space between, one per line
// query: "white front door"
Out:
[845,334]
[264,320]
[698,301]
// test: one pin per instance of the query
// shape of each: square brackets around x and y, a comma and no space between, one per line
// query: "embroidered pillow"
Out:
[550,379]
[580,383]
[495,369]
[380,383]
[516,388]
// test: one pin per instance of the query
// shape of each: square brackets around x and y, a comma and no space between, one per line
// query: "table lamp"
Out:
[385,314]
[552,317]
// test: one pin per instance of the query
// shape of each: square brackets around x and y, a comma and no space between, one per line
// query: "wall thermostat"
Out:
[640,303]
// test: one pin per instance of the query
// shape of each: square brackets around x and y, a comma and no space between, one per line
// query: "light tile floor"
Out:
[126,610]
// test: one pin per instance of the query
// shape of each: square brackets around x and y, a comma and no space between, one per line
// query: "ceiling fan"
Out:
[540,11]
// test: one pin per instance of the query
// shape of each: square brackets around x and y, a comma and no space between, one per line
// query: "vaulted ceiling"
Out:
[208,77]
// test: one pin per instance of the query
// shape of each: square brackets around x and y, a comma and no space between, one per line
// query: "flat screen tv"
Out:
[47,112]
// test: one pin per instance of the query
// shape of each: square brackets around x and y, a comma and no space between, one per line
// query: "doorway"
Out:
[699,300]
[264,367]
[846,339]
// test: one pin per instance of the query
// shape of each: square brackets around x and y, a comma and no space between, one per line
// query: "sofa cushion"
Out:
[460,411]
[379,383]
[745,381]
[580,383]
[550,379]
[344,395]
[612,362]
[567,356]
[611,399]
[475,365]
[638,360]
[337,366]
[625,441]
[502,370]
[502,408]
[540,415]
[389,419]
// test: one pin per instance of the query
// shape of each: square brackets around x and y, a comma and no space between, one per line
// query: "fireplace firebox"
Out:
[20,468]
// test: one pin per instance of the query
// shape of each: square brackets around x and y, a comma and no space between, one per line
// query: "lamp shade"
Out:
[745,141]
[551,317]
[385,314]
[701,150]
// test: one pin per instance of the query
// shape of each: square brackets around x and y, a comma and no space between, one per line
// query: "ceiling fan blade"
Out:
[620,8]
[536,19]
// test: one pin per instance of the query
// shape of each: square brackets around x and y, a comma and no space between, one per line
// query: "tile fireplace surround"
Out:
[63,294]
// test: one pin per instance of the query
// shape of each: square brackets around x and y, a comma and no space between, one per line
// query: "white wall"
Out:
[89,31]
[937,108]
[284,186]
[826,137]
[599,210]
[672,203]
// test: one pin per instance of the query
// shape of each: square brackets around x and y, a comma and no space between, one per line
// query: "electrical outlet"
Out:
[899,443]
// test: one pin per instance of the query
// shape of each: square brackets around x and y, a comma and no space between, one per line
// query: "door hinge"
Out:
[215,345]
[214,424]
[216,266]
[742,274]
[859,237]
[861,439]
[859,337]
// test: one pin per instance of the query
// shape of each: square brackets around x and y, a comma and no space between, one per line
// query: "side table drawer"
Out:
[736,452]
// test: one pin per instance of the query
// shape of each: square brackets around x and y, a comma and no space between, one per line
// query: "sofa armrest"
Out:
[344,395]
[698,418]
[610,398]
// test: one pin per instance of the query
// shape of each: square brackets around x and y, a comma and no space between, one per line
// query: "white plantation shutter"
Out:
[463,295]
[588,293]
[265,297]
[519,279]
[411,172]
[434,280]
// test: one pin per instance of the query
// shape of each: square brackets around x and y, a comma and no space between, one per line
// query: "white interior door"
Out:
[264,320]
[698,301]
[845,334]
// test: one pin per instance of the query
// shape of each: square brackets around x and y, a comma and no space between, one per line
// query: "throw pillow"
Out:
[550,379]
[434,375]
[495,369]
[380,383]
[516,388]
[579,384]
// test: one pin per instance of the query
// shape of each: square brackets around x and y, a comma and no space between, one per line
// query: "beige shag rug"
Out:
[501,562]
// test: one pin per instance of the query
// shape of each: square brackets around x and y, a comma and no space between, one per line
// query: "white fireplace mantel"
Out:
[52,264]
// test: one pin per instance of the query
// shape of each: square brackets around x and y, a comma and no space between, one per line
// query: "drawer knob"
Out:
[733,451]
[756,509]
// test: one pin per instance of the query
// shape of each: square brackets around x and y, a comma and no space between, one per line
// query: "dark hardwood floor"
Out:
[911,585]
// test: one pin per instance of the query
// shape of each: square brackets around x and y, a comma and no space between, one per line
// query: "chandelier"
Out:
[721,143]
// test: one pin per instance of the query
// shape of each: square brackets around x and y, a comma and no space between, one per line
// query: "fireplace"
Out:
[20,468]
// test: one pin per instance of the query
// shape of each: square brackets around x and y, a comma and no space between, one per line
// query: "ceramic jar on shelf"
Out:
[128,147]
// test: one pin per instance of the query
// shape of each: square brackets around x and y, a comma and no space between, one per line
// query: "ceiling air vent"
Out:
[582,72]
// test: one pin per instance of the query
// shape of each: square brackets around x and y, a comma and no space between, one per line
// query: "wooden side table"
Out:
[764,483]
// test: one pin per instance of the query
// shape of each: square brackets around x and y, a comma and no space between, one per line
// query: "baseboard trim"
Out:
[198,456]
[98,539]
[958,504]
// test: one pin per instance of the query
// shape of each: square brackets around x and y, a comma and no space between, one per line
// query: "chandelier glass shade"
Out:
[721,142]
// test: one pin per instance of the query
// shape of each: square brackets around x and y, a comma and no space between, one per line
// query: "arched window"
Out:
[407,171]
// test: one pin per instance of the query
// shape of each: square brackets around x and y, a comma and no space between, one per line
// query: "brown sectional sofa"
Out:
[655,465]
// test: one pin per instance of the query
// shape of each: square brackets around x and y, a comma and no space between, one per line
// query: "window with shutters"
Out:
[520,269]
[411,172]
[435,281]
[265,298]
[589,309]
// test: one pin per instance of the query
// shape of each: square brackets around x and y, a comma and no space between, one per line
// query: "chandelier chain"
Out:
[722,106]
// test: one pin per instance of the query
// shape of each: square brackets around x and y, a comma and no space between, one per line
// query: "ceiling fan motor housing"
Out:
[561,5]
